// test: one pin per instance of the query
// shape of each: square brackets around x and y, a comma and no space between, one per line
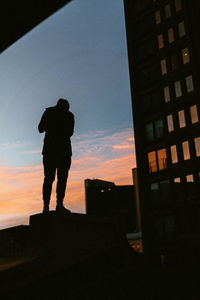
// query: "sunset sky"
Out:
[80,54]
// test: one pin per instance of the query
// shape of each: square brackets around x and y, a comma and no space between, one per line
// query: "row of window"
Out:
[171,35]
[155,129]
[178,87]
[175,61]
[194,118]
[157,160]
[168,11]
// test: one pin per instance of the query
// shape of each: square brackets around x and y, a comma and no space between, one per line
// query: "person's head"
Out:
[63,104]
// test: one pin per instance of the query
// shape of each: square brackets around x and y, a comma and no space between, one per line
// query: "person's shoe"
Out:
[62,209]
[45,209]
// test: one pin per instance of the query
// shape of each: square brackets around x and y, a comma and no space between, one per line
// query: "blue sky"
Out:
[80,54]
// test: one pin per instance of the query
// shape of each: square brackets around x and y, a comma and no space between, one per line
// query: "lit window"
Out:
[185,56]
[167,11]
[197,146]
[186,150]
[174,62]
[160,41]
[166,94]
[190,178]
[170,123]
[149,131]
[162,159]
[157,17]
[152,162]
[163,66]
[177,180]
[181,29]
[194,114]
[174,155]
[178,5]
[159,129]
[181,117]
[171,35]
[178,90]
[189,84]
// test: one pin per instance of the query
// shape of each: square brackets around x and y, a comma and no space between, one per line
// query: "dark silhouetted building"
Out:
[163,40]
[107,199]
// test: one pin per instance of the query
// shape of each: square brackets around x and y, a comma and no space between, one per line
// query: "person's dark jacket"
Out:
[58,123]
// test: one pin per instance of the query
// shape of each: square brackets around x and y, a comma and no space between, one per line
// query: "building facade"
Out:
[163,38]
[107,199]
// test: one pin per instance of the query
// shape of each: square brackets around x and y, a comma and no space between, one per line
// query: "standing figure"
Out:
[58,124]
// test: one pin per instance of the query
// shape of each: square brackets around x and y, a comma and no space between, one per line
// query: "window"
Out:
[149,131]
[170,123]
[178,90]
[177,180]
[189,84]
[160,41]
[174,155]
[174,62]
[185,56]
[186,150]
[181,117]
[152,162]
[197,145]
[181,29]
[162,159]
[159,129]
[157,160]
[169,224]
[171,35]
[190,178]
[166,94]
[194,114]
[167,11]
[178,5]
[154,130]
[163,66]
[157,17]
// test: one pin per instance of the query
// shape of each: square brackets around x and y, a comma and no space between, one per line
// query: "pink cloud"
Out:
[21,187]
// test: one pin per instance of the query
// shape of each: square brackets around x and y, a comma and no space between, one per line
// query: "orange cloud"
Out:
[96,156]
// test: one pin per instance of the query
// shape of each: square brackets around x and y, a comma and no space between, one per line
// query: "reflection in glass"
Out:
[194,114]
[163,66]
[189,83]
[181,117]
[160,41]
[166,94]
[186,150]
[190,178]
[167,11]
[170,123]
[177,180]
[197,145]
[171,35]
[149,131]
[178,90]
[159,129]
[157,17]
[185,56]
[162,159]
[152,162]
[181,29]
[174,156]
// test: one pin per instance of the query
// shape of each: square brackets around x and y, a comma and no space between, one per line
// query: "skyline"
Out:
[85,62]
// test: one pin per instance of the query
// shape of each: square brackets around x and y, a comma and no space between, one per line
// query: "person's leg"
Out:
[49,176]
[62,175]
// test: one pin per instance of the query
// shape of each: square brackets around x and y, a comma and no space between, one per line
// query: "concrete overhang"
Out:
[17,17]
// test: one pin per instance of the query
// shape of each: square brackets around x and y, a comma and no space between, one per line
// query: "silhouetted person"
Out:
[58,124]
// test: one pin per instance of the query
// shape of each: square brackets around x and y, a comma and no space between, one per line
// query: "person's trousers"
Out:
[61,164]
